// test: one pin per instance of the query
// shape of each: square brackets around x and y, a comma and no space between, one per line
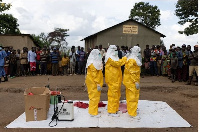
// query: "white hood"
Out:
[134,55]
[95,58]
[111,53]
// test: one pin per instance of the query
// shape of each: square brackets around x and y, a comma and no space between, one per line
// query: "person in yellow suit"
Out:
[113,77]
[131,80]
[94,81]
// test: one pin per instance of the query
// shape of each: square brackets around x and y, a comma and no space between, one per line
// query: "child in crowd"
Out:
[65,61]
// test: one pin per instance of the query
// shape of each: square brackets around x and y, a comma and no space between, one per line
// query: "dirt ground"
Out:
[181,97]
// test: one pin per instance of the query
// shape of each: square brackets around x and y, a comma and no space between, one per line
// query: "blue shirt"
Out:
[2,56]
[54,57]
[82,56]
[78,53]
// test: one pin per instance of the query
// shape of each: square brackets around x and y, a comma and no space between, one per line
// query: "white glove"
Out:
[137,85]
[127,54]
[99,87]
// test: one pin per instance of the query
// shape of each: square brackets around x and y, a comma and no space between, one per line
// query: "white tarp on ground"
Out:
[152,114]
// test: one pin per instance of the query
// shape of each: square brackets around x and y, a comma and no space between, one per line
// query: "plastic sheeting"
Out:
[151,114]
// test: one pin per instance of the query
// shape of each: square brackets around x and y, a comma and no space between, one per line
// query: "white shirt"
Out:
[31,56]
[73,57]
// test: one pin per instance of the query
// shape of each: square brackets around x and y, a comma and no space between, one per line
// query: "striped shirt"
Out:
[54,57]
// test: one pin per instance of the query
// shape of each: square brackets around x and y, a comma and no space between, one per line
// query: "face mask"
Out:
[100,56]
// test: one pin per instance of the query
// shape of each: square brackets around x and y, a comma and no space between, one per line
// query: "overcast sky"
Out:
[86,17]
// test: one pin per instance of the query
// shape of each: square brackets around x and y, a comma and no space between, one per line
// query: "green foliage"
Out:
[8,24]
[146,14]
[36,40]
[187,11]
[41,40]
[44,39]
[58,35]
[4,6]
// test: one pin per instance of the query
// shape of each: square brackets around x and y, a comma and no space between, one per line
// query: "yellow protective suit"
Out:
[93,78]
[131,76]
[113,77]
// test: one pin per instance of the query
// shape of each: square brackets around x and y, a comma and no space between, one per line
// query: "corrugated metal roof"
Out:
[162,35]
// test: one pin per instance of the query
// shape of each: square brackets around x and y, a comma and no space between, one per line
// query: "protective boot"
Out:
[0,80]
[189,81]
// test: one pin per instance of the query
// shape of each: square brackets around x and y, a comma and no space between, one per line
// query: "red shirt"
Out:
[38,55]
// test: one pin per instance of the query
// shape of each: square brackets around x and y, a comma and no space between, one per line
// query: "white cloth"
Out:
[152,114]
[111,53]
[95,58]
[134,55]
[31,56]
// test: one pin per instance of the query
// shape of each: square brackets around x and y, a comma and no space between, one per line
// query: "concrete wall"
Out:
[90,43]
[116,36]
[18,42]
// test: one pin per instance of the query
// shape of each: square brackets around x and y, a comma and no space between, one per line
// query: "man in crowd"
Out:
[158,59]
[147,55]
[38,51]
[54,62]
[2,62]
[72,57]
[174,64]
[153,63]
[180,64]
[193,57]
[81,61]
[13,63]
[24,62]
[185,62]
[77,60]
[32,60]
[43,62]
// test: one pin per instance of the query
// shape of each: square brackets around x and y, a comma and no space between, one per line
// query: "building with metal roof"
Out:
[127,33]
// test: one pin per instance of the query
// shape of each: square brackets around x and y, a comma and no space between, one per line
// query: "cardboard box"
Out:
[37,105]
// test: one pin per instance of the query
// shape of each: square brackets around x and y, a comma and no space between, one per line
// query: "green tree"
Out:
[187,11]
[36,40]
[44,39]
[146,14]
[58,36]
[41,40]
[8,24]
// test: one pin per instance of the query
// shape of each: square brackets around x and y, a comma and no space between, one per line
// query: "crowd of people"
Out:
[178,63]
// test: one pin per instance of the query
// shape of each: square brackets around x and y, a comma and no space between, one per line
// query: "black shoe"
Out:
[188,83]
[5,79]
